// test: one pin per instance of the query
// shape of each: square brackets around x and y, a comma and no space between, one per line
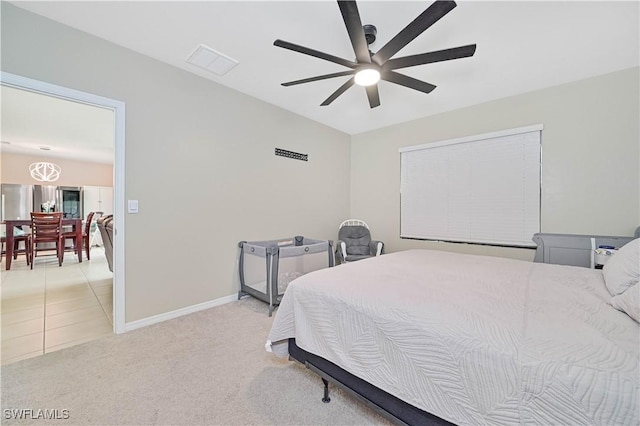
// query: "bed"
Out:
[433,337]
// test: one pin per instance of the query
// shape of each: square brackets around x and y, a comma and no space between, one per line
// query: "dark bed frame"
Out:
[382,402]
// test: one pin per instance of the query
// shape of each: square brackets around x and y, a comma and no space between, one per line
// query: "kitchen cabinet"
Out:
[97,199]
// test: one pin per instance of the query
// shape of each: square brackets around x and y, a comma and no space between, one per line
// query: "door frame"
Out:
[118,107]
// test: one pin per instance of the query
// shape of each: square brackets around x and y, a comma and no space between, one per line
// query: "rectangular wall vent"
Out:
[212,61]
[291,154]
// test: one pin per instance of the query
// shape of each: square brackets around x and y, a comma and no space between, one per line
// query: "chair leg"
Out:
[32,254]
[87,247]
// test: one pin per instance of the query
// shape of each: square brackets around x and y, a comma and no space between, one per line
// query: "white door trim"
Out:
[13,80]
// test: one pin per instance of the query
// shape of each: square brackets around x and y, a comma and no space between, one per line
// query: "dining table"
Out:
[76,223]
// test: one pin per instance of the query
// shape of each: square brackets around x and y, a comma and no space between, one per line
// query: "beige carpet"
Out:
[207,368]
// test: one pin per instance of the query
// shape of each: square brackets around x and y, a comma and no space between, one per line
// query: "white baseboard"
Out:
[133,325]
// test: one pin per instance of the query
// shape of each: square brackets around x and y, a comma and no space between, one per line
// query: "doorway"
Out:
[118,108]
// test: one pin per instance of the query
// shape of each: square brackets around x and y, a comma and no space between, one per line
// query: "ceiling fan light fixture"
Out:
[367,77]
[368,67]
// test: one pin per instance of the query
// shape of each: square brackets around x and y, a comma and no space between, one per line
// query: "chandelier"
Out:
[44,171]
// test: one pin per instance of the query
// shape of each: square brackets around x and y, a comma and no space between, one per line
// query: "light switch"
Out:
[133,206]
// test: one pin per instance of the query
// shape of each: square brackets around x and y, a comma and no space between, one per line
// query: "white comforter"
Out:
[472,339]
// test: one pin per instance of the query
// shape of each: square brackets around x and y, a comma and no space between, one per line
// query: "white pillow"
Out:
[629,301]
[623,268]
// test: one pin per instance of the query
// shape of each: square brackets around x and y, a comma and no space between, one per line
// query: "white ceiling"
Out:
[72,130]
[522,46]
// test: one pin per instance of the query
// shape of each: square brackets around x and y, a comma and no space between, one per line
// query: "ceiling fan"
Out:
[368,67]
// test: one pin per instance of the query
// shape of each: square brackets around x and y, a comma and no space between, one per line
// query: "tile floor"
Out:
[51,307]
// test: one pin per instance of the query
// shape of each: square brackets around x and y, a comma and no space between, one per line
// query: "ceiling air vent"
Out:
[210,60]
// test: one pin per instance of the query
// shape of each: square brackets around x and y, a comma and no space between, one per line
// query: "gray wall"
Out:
[590,170]
[199,158]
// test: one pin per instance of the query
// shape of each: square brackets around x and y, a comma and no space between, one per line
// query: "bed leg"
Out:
[326,398]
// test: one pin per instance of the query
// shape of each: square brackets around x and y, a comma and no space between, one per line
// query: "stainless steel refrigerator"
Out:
[17,202]
[45,198]
[65,199]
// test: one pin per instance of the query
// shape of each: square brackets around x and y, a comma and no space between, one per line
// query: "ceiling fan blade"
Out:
[338,92]
[320,77]
[430,57]
[351,17]
[314,53]
[427,18]
[373,95]
[407,81]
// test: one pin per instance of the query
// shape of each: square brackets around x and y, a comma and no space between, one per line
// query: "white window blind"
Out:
[480,189]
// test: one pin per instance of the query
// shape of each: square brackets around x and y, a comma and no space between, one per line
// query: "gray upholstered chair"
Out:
[355,243]
[105,225]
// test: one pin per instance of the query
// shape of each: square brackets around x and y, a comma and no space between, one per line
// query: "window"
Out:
[480,189]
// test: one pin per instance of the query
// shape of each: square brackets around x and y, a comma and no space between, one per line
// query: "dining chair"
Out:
[17,239]
[86,237]
[46,228]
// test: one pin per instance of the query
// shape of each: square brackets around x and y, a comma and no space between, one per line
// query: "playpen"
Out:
[267,267]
